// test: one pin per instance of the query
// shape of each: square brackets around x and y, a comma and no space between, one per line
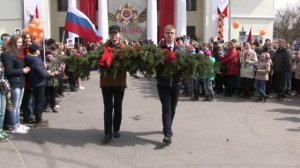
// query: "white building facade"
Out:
[196,18]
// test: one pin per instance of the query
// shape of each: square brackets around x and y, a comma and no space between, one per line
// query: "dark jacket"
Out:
[164,80]
[13,69]
[37,75]
[120,80]
[281,60]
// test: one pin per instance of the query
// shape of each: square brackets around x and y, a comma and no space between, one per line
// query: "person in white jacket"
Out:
[247,71]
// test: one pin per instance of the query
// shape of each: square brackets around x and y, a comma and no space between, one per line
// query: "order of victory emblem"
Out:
[127,14]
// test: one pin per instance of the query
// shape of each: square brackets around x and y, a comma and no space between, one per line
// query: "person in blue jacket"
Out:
[38,80]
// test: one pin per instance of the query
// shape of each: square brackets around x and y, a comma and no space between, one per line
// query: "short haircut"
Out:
[169,27]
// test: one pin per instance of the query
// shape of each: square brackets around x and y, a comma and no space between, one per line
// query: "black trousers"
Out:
[72,80]
[280,83]
[39,102]
[247,86]
[112,99]
[50,96]
[169,98]
[229,84]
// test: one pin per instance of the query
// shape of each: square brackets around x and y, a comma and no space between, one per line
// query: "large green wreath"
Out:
[143,61]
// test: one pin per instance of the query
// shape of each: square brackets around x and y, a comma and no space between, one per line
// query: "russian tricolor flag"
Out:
[78,23]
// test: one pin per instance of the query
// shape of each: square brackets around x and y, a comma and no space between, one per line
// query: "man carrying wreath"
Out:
[168,87]
[113,88]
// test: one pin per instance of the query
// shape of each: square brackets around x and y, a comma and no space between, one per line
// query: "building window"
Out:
[191,5]
[191,31]
[62,33]
[62,5]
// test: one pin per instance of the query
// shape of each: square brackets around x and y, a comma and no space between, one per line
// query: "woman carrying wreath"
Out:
[113,88]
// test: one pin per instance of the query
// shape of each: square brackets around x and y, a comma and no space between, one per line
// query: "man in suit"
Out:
[168,86]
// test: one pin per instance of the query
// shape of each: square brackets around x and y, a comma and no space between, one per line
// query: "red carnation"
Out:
[171,56]
[120,55]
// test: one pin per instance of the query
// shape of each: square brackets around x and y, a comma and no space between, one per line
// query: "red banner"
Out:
[166,15]
[88,7]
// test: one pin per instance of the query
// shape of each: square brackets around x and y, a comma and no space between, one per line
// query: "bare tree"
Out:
[287,23]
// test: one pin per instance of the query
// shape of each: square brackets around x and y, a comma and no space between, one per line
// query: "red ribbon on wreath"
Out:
[171,56]
[107,57]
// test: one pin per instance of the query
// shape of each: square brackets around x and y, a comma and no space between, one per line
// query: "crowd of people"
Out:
[32,77]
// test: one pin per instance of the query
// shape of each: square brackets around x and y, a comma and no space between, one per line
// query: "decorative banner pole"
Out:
[222,15]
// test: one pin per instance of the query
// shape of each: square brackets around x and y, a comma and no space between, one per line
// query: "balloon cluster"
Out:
[34,29]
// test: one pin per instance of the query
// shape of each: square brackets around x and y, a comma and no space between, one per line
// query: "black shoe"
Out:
[212,98]
[106,139]
[54,110]
[117,134]
[206,99]
[194,98]
[73,90]
[167,140]
[265,98]
[43,123]
[259,99]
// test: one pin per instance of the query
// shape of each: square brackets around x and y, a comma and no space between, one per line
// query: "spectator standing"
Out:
[262,75]
[248,65]
[38,78]
[281,67]
[13,60]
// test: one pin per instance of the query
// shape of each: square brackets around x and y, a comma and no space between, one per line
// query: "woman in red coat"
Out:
[229,60]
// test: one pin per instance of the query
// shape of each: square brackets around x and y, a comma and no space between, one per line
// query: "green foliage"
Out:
[143,61]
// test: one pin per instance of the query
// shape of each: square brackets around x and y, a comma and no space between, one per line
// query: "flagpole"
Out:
[63,37]
[44,44]
[229,20]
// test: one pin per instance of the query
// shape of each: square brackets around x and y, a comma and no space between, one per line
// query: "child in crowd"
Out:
[209,76]
[263,69]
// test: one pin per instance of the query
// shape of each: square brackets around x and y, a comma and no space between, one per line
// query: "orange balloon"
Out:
[30,30]
[34,34]
[35,21]
[32,26]
[41,35]
[262,32]
[236,24]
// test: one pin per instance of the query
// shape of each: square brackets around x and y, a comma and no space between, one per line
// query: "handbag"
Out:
[224,68]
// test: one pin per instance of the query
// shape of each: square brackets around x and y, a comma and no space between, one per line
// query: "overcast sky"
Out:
[282,3]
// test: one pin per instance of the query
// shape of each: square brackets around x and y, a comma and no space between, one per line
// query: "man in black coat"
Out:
[38,79]
[281,68]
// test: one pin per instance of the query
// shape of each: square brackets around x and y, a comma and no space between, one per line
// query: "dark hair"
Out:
[179,39]
[50,42]
[4,35]
[256,43]
[33,48]
[12,44]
